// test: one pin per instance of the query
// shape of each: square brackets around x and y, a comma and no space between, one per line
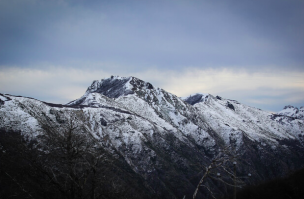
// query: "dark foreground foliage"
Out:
[64,167]
[291,187]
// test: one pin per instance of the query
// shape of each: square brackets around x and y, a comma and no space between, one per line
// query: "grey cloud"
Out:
[130,37]
[162,34]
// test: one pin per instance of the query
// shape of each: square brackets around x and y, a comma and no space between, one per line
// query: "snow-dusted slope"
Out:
[195,115]
[292,111]
[233,120]
[162,136]
[154,104]
[292,119]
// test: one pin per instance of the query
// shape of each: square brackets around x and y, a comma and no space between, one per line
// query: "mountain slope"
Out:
[166,139]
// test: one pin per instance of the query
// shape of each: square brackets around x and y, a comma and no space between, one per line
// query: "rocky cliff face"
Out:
[168,140]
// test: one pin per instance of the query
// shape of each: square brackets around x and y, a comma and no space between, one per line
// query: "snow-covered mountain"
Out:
[164,137]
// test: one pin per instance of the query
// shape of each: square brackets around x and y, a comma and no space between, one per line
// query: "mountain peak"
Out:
[116,86]
[289,107]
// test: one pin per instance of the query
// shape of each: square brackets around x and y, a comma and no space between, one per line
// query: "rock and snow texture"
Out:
[155,130]
[292,118]
[195,98]
[292,111]
[195,115]
[114,87]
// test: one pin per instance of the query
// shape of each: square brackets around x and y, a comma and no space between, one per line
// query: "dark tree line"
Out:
[291,186]
[64,162]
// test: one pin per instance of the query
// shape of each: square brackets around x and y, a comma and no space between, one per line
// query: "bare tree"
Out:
[220,169]
[64,161]
[72,158]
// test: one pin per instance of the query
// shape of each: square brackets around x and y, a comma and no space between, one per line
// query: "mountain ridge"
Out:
[164,137]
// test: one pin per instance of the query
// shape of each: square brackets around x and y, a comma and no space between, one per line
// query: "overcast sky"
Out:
[250,51]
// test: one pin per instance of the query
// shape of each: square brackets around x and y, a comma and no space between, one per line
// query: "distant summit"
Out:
[292,111]
[114,87]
